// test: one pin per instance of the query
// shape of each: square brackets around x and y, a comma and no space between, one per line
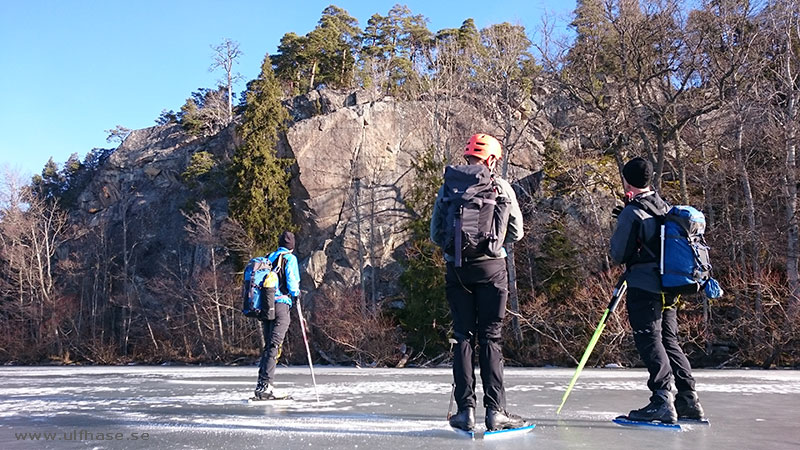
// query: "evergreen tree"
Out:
[201,164]
[118,134]
[339,47]
[205,113]
[259,198]
[290,62]
[72,176]
[324,56]
[594,37]
[392,44]
[426,315]
[189,117]
[468,34]
[50,184]
[166,117]
[96,157]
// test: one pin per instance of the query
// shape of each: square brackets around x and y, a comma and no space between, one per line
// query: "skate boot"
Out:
[464,419]
[660,409]
[264,392]
[503,420]
[688,406]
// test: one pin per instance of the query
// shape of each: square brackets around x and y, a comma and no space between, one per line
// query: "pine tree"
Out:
[72,174]
[594,37]
[426,315]
[290,63]
[259,198]
[324,56]
[392,43]
[338,49]
[468,34]
[50,184]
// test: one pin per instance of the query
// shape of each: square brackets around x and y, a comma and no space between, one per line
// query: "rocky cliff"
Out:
[354,155]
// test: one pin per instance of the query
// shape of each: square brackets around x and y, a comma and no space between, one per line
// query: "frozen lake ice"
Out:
[205,407]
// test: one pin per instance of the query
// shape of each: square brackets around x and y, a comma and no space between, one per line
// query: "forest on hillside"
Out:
[708,93]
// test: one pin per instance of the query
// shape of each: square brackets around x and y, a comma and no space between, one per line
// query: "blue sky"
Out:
[72,69]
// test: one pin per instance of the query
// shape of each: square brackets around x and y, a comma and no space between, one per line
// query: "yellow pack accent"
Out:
[271,280]
[664,306]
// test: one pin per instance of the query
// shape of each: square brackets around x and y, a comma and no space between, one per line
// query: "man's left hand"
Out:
[617,210]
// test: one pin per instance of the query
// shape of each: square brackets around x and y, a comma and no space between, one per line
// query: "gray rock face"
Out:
[148,166]
[354,167]
[325,101]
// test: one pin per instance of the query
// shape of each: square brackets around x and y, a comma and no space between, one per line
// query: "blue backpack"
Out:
[258,290]
[683,259]
[685,265]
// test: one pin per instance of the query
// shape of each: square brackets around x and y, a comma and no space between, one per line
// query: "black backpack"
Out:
[476,218]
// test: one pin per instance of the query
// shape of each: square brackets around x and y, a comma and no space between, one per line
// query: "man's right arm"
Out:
[292,276]
[624,239]
[515,230]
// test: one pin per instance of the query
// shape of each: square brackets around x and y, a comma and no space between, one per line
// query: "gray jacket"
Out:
[636,241]
[514,231]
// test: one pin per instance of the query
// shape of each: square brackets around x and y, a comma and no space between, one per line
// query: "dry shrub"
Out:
[100,351]
[347,332]
[557,332]
[15,344]
[715,333]
[745,337]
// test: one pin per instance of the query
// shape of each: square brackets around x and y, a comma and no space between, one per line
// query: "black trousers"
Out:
[274,332]
[477,294]
[654,321]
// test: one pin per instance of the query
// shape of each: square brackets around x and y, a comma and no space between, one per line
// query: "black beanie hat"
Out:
[287,240]
[638,172]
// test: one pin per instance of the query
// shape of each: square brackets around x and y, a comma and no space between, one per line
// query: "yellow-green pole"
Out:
[619,290]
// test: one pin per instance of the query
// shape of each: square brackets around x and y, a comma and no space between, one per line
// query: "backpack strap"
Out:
[458,236]
[279,267]
[647,205]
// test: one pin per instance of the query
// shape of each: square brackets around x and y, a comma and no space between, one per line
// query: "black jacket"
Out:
[636,240]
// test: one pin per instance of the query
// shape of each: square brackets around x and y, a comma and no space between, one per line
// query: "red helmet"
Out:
[483,146]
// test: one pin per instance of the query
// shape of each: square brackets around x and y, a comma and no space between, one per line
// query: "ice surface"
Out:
[207,408]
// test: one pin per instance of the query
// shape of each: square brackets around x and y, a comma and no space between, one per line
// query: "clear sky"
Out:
[74,68]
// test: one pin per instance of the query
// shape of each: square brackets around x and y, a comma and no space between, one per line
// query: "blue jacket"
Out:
[291,272]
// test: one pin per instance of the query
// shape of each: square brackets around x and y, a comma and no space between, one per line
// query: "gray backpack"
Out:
[476,218]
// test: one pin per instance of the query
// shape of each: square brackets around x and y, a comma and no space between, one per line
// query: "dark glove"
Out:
[626,199]
[617,210]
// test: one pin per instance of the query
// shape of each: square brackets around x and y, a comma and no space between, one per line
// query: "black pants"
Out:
[274,332]
[654,321]
[477,294]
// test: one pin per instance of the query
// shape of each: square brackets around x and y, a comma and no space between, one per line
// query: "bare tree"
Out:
[725,39]
[446,69]
[783,28]
[201,231]
[31,231]
[503,88]
[660,72]
[226,55]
